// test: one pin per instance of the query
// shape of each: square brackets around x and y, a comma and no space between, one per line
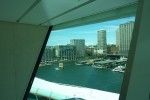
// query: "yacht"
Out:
[48,63]
[80,63]
[61,65]
[103,64]
[98,66]
[119,69]
[42,64]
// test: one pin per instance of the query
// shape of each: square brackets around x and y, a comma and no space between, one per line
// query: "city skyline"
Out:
[87,32]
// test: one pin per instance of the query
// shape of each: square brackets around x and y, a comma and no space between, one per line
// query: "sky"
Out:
[87,32]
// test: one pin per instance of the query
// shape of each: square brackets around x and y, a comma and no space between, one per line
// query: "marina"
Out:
[82,75]
[101,76]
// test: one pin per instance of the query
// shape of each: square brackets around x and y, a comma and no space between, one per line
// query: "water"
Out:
[83,75]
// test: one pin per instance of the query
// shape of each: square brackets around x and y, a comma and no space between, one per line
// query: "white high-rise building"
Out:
[117,37]
[102,44]
[125,34]
[80,47]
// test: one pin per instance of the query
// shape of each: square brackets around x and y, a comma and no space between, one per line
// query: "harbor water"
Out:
[82,75]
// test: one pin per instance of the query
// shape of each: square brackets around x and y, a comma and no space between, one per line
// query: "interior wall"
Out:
[20,45]
[136,84]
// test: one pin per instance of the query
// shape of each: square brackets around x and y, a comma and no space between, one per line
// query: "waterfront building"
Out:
[117,37]
[125,34]
[112,49]
[49,54]
[80,47]
[65,52]
[89,50]
[102,45]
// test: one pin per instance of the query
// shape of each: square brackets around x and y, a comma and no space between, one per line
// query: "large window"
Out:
[84,62]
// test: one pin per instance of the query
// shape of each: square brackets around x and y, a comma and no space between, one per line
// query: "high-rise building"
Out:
[102,44]
[80,47]
[125,34]
[117,37]
[49,54]
[66,52]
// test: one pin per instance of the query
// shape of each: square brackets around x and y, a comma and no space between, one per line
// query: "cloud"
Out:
[113,26]
[85,32]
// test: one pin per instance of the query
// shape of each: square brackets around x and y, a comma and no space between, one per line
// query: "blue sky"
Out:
[87,32]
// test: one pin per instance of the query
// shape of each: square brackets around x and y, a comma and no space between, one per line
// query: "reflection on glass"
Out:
[84,62]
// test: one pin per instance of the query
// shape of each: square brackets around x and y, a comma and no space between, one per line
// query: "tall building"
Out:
[49,54]
[102,44]
[117,37]
[125,34]
[80,47]
[66,52]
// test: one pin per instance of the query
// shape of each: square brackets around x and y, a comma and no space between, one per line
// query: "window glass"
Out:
[84,62]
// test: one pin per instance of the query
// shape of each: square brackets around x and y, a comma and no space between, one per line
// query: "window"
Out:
[84,62]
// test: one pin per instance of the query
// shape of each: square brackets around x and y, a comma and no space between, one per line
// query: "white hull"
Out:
[78,64]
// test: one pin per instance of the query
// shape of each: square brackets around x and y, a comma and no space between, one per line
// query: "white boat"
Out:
[61,65]
[123,58]
[102,64]
[98,66]
[41,64]
[116,69]
[48,63]
[119,69]
[80,63]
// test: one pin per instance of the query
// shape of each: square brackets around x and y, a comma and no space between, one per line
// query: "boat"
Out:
[123,58]
[41,64]
[61,65]
[80,63]
[98,66]
[122,71]
[48,63]
[103,64]
[119,69]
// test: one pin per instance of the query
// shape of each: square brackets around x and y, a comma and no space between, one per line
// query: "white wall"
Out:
[136,84]
[20,46]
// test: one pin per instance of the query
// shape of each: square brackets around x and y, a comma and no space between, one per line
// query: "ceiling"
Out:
[61,12]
